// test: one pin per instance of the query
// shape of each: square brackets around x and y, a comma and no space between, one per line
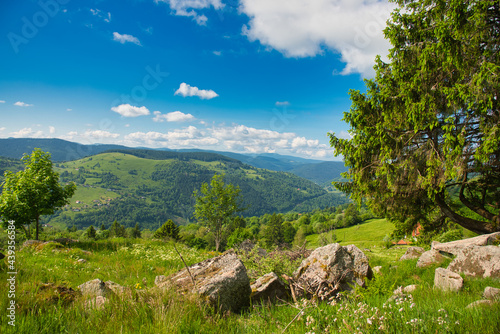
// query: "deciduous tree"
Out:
[216,204]
[33,192]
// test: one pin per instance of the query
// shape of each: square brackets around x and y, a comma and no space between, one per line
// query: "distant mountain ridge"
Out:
[321,172]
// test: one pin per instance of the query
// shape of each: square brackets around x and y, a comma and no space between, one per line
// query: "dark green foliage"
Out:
[117,230]
[135,232]
[273,233]
[91,232]
[168,230]
[429,121]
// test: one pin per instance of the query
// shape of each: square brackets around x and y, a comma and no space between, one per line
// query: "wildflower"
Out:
[412,305]
[400,310]
[369,321]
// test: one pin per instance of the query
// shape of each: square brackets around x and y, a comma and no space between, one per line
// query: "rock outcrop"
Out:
[445,279]
[222,280]
[454,247]
[477,261]
[95,288]
[268,288]
[330,270]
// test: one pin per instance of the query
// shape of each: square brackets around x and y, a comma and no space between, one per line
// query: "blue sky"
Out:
[247,76]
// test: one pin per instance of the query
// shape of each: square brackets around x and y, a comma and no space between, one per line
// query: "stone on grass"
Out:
[447,280]
[480,303]
[412,253]
[491,293]
[477,261]
[95,288]
[330,270]
[97,302]
[429,258]
[222,280]
[268,288]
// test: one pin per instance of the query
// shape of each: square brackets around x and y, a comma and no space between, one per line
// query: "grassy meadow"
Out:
[45,273]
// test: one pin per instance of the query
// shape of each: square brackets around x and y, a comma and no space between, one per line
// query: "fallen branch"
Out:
[187,268]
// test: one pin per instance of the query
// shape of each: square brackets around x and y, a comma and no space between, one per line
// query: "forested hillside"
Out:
[150,187]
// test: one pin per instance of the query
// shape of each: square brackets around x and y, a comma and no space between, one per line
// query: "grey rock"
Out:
[268,288]
[491,293]
[480,303]
[95,288]
[222,280]
[97,302]
[454,247]
[412,253]
[477,261]
[116,288]
[429,258]
[377,270]
[81,261]
[331,269]
[445,279]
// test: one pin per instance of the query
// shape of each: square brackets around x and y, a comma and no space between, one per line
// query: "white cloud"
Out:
[126,110]
[100,134]
[69,109]
[125,38]
[2,101]
[27,133]
[22,104]
[187,90]
[297,28]
[217,53]
[2,129]
[175,116]
[52,130]
[238,138]
[190,8]
[99,13]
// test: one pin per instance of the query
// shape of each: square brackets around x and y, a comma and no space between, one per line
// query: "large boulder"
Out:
[445,279]
[330,270]
[412,253]
[454,247]
[477,261]
[222,280]
[429,258]
[268,288]
[491,293]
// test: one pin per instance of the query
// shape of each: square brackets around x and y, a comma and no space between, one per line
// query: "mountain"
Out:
[317,171]
[148,187]
[322,173]
[60,150]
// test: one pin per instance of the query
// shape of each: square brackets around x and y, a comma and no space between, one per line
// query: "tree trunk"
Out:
[473,225]
[37,224]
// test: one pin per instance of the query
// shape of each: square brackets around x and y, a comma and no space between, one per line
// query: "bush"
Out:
[450,236]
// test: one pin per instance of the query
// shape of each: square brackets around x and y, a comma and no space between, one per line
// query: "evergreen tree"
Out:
[91,232]
[167,230]
[136,232]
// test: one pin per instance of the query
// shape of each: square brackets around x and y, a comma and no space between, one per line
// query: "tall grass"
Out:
[143,309]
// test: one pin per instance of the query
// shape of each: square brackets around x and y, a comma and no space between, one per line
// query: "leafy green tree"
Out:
[167,230]
[91,233]
[103,228]
[33,192]
[215,205]
[428,125]
[273,232]
[117,230]
[136,232]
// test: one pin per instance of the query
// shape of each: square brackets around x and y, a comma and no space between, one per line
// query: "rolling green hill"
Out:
[149,187]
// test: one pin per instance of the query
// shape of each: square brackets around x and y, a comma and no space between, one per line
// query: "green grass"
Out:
[133,262]
[365,235]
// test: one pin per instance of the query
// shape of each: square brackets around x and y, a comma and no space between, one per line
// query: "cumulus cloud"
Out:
[52,130]
[3,128]
[187,90]
[22,104]
[175,116]
[238,138]
[126,110]
[27,133]
[100,134]
[297,28]
[2,101]
[125,38]
[190,8]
